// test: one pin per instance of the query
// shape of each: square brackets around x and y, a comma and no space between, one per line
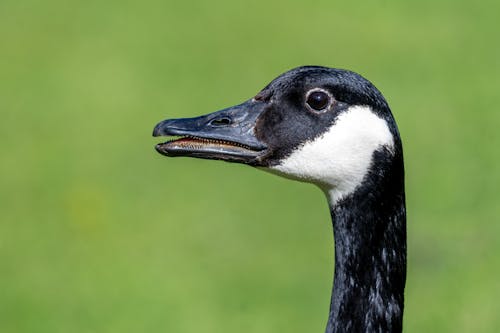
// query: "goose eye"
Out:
[318,100]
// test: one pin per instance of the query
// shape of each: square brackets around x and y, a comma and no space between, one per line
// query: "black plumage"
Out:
[369,221]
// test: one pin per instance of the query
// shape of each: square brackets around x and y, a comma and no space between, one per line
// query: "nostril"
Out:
[221,121]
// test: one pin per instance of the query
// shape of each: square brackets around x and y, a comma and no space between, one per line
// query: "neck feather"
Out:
[370,253]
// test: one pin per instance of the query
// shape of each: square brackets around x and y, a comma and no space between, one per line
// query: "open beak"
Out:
[227,135]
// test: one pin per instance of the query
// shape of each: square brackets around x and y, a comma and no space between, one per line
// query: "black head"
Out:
[295,109]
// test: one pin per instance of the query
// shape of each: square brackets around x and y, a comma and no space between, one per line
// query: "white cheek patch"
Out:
[341,157]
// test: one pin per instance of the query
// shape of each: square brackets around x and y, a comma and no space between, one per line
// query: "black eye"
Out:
[318,100]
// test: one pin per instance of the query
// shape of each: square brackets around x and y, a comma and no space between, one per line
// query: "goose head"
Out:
[314,124]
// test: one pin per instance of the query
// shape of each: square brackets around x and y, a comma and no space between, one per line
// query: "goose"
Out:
[333,128]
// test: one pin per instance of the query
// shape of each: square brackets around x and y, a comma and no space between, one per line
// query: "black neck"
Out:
[370,254]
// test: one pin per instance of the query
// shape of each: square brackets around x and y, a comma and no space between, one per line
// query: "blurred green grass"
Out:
[99,233]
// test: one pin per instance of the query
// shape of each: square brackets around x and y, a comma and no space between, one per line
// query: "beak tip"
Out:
[160,149]
[157,131]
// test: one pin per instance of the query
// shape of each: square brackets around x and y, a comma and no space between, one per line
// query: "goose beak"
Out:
[227,135]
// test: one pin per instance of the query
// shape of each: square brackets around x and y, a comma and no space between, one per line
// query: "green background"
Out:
[99,233]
